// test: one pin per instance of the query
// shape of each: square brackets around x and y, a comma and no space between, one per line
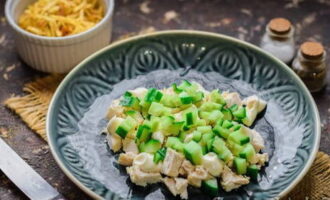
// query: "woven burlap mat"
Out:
[32,108]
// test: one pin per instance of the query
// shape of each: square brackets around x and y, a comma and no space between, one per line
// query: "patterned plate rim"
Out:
[68,78]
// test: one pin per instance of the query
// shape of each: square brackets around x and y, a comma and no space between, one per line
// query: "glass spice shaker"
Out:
[279,39]
[310,65]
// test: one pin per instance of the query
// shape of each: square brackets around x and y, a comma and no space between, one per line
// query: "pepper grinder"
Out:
[310,65]
[279,39]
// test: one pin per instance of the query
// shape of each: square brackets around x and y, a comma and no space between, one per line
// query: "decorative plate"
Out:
[76,118]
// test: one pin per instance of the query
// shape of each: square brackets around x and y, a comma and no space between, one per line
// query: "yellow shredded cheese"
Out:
[58,18]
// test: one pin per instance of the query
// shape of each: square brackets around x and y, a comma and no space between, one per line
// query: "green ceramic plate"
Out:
[290,124]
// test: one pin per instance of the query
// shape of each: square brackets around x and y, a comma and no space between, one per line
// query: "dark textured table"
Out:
[242,19]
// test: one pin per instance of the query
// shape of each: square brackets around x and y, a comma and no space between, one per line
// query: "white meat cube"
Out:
[126,159]
[172,163]
[141,178]
[212,164]
[231,181]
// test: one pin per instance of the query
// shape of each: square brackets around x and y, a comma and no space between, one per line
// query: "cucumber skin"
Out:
[253,172]
[240,165]
[210,187]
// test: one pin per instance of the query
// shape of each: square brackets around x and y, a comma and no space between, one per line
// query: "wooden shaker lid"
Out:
[279,25]
[312,49]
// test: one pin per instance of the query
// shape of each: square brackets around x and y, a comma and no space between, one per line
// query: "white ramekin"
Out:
[57,54]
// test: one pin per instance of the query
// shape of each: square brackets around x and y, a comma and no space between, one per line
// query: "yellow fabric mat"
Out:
[32,108]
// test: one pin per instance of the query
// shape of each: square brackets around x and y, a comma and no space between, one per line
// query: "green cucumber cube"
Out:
[239,137]
[210,187]
[151,146]
[193,152]
[240,165]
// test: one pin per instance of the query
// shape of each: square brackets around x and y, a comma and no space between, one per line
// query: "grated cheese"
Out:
[58,18]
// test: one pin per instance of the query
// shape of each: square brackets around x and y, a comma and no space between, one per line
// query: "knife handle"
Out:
[58,197]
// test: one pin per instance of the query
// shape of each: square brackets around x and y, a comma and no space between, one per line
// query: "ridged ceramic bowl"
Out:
[57,54]
[290,125]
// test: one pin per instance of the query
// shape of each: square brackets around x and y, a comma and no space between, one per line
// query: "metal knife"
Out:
[24,177]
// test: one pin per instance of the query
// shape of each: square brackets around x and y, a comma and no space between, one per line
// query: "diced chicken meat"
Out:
[177,186]
[262,158]
[186,168]
[141,178]
[256,139]
[129,145]
[172,163]
[254,101]
[113,125]
[168,91]
[212,164]
[158,135]
[139,92]
[254,105]
[126,159]
[231,181]
[197,176]
[145,162]
[114,142]
[232,98]
[115,109]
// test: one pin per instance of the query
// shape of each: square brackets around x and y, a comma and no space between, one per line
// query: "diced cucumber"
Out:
[239,137]
[193,152]
[206,137]
[209,144]
[175,128]
[184,85]
[143,133]
[219,122]
[135,115]
[210,106]
[253,171]
[171,101]
[185,98]
[197,96]
[182,135]
[165,122]
[235,148]
[160,155]
[217,98]
[189,118]
[220,148]
[151,146]
[174,143]
[227,114]
[126,126]
[153,123]
[176,89]
[153,95]
[227,124]
[201,122]
[204,129]
[204,115]
[248,152]
[240,113]
[197,136]
[130,101]
[220,131]
[233,108]
[236,127]
[214,116]
[240,165]
[210,187]
[157,109]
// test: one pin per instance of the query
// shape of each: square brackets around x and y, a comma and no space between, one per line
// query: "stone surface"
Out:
[245,20]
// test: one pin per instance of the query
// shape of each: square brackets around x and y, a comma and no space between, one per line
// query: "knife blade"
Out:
[24,177]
